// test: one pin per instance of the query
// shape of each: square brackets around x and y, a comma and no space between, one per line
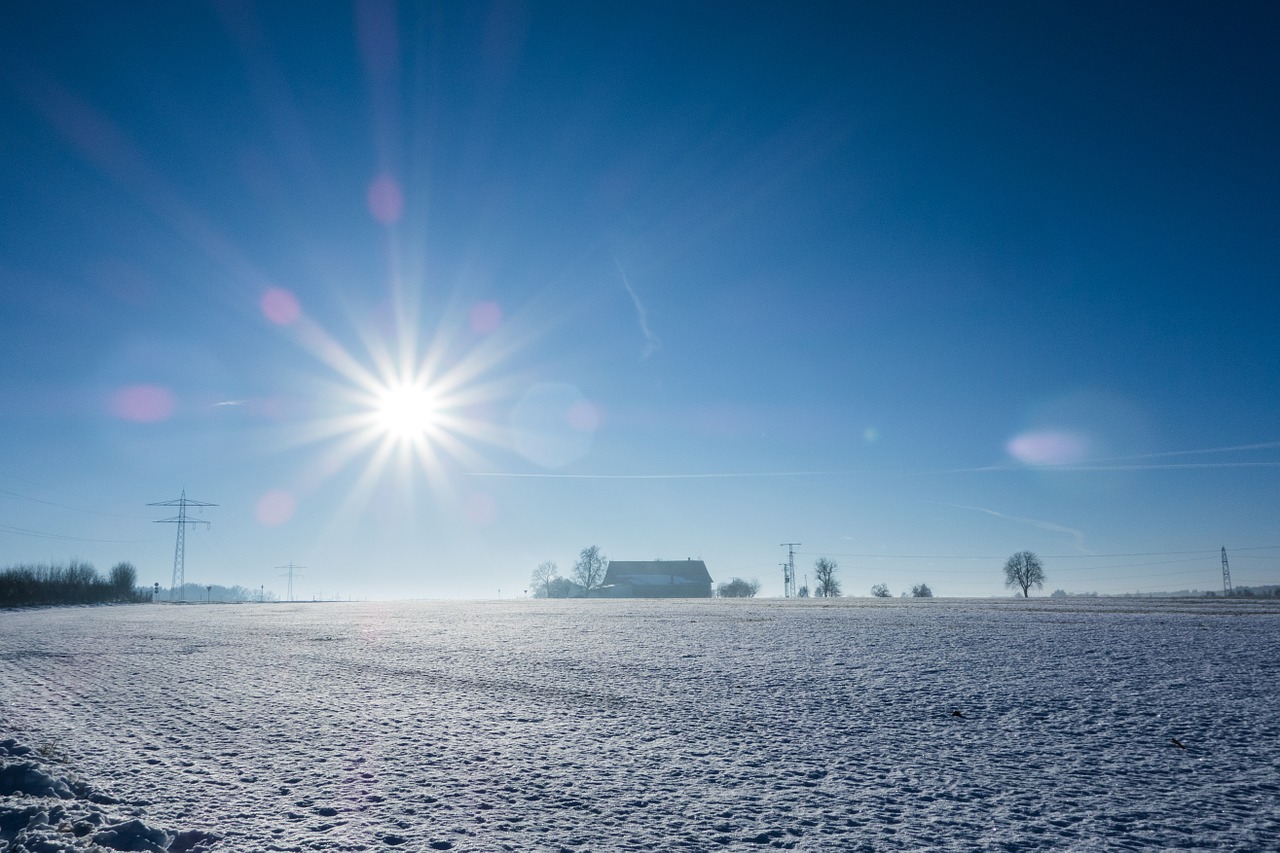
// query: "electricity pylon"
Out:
[1226,573]
[180,549]
[789,570]
[289,574]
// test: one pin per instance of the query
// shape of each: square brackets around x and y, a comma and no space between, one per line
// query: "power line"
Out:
[40,534]
[226,550]
[66,506]
[1083,571]
[1075,569]
[46,487]
[1206,551]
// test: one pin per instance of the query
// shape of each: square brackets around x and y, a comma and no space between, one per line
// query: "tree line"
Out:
[215,592]
[1022,570]
[586,576]
[77,582]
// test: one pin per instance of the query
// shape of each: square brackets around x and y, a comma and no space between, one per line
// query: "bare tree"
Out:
[1024,569]
[824,572]
[589,570]
[546,572]
[880,591]
[124,577]
[738,588]
[921,591]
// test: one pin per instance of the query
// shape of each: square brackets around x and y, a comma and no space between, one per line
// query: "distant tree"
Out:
[824,571]
[1058,593]
[738,588]
[543,575]
[563,588]
[1025,570]
[589,569]
[803,592]
[880,591]
[124,577]
[921,591]
[192,591]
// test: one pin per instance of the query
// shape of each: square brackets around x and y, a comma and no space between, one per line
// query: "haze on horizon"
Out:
[424,295]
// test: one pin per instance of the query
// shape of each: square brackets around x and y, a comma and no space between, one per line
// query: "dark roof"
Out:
[684,571]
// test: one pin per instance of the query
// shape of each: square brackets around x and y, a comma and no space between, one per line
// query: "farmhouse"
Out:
[656,579]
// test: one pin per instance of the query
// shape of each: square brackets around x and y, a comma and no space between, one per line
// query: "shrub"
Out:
[738,588]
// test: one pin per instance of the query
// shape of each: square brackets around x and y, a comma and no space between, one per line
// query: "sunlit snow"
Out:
[615,725]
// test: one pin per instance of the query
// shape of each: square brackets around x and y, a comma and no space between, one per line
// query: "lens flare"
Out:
[280,306]
[143,404]
[1049,447]
[386,200]
[275,508]
[486,317]
[553,424]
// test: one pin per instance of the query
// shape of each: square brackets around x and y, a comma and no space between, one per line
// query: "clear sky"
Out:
[422,296]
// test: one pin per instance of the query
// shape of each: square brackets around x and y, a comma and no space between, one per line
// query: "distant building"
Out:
[656,579]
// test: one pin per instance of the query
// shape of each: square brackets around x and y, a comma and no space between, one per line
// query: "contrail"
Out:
[1262,445]
[739,475]
[1131,463]
[651,342]
[1156,466]
[1077,535]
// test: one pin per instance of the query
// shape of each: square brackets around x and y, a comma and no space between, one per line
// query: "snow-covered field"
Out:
[613,725]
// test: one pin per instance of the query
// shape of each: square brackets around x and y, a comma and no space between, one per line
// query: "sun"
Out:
[415,407]
[406,412]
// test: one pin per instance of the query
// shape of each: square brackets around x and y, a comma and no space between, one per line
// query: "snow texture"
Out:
[36,817]
[1098,724]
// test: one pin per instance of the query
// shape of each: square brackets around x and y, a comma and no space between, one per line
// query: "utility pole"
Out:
[789,570]
[180,549]
[1226,573]
[289,574]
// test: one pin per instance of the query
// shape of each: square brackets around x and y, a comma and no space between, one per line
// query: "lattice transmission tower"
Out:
[1226,573]
[179,581]
[789,570]
[292,570]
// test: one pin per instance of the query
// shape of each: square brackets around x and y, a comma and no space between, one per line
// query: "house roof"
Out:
[657,571]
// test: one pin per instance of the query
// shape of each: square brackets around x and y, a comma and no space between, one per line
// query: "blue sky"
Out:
[422,296]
